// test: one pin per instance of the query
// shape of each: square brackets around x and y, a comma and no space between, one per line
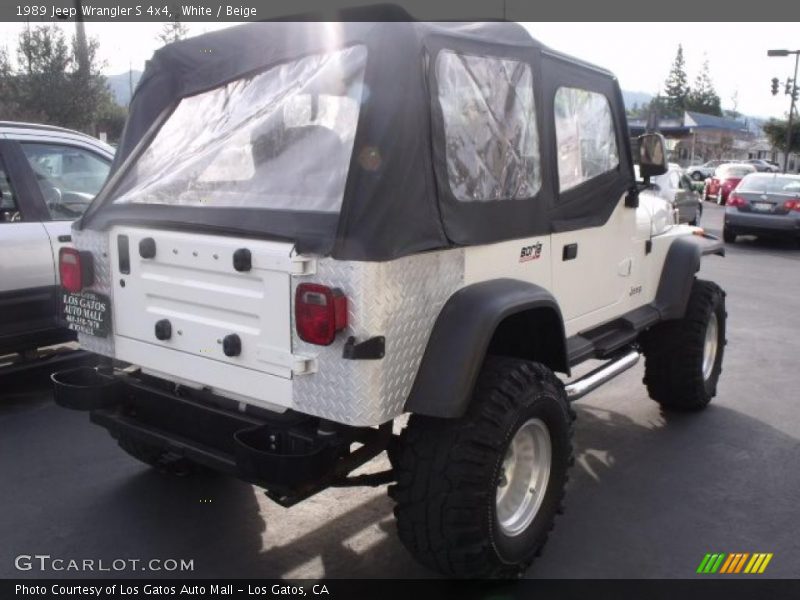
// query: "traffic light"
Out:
[775,86]
[789,86]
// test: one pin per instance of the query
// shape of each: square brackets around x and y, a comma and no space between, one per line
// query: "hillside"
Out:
[122,84]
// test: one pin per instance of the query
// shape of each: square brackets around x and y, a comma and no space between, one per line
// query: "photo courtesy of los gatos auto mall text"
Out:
[301,299]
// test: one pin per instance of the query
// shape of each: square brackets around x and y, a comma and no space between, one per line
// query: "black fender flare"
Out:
[460,338]
[677,274]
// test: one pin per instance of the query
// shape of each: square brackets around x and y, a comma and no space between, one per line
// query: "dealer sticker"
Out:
[86,312]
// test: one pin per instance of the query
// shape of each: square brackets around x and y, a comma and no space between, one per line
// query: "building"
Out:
[697,137]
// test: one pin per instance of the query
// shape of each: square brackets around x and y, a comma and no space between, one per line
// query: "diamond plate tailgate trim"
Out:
[96,242]
[398,299]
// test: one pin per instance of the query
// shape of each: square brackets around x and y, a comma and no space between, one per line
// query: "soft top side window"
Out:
[491,140]
[585,137]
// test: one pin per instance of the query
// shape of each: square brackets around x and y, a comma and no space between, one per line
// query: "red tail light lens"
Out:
[319,313]
[792,205]
[75,269]
[735,200]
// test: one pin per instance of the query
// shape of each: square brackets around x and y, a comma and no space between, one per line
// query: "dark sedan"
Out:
[763,204]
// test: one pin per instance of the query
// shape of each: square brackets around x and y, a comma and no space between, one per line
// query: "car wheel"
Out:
[476,496]
[683,357]
[697,176]
[728,235]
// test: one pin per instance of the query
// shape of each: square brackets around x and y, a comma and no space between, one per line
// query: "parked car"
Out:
[763,204]
[763,166]
[48,176]
[676,187]
[725,178]
[704,171]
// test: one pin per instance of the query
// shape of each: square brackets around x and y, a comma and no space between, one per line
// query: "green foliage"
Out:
[679,97]
[703,97]
[676,87]
[48,85]
[775,130]
[172,32]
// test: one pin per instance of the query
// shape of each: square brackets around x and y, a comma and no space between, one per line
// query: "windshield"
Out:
[771,184]
[278,140]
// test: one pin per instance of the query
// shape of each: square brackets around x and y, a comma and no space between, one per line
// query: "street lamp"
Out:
[793,95]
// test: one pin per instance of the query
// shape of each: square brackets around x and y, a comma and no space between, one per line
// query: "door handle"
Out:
[570,252]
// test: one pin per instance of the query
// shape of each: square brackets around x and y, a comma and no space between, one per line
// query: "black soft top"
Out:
[406,205]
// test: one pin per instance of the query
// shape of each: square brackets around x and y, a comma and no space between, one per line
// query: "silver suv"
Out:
[48,176]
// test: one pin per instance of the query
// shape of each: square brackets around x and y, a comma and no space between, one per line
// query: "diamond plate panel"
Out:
[400,300]
[96,242]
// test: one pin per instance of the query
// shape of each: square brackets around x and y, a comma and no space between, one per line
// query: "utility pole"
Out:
[82,46]
[793,93]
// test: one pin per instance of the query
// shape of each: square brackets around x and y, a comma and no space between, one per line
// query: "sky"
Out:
[639,54]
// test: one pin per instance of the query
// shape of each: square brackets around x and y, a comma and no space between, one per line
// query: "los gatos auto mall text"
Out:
[228,590]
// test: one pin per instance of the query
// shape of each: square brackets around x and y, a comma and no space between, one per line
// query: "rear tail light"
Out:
[75,269]
[792,205]
[735,200]
[319,313]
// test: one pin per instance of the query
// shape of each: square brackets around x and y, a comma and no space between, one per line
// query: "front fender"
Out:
[677,274]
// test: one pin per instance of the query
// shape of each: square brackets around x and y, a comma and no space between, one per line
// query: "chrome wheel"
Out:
[523,477]
[710,346]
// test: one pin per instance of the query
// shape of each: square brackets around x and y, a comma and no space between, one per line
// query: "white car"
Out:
[676,188]
[48,176]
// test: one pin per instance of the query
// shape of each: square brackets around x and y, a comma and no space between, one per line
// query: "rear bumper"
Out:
[757,223]
[291,455]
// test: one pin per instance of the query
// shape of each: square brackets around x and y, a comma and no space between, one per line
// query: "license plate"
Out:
[762,206]
[86,312]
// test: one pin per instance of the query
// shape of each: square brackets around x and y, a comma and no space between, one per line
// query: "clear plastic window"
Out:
[492,145]
[279,140]
[587,143]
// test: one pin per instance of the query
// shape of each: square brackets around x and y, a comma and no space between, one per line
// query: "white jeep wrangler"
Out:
[312,229]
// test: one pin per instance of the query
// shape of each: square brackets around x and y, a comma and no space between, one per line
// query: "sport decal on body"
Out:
[531,252]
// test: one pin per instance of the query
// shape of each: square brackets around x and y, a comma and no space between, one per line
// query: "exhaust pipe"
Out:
[593,380]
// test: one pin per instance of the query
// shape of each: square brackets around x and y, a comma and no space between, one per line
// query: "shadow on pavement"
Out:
[650,495]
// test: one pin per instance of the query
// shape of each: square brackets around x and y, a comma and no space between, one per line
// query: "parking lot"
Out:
[650,493]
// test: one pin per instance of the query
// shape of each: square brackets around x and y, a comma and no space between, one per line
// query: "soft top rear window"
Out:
[279,140]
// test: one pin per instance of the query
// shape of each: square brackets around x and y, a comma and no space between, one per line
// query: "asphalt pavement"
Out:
[649,496]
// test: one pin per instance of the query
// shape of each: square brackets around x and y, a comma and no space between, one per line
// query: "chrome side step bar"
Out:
[603,374]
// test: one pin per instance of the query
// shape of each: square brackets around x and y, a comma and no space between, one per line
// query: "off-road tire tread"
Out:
[442,466]
[672,350]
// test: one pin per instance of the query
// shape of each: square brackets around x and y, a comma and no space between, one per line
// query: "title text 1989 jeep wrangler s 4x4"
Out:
[312,229]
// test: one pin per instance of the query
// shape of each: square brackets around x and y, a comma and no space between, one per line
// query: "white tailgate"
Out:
[192,283]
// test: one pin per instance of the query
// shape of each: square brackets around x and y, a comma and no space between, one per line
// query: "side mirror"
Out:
[652,155]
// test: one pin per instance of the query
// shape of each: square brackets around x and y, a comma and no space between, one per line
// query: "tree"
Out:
[48,86]
[6,83]
[172,32]
[676,88]
[703,97]
[734,112]
[775,130]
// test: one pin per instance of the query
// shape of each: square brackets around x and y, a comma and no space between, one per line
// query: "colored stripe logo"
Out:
[737,562]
